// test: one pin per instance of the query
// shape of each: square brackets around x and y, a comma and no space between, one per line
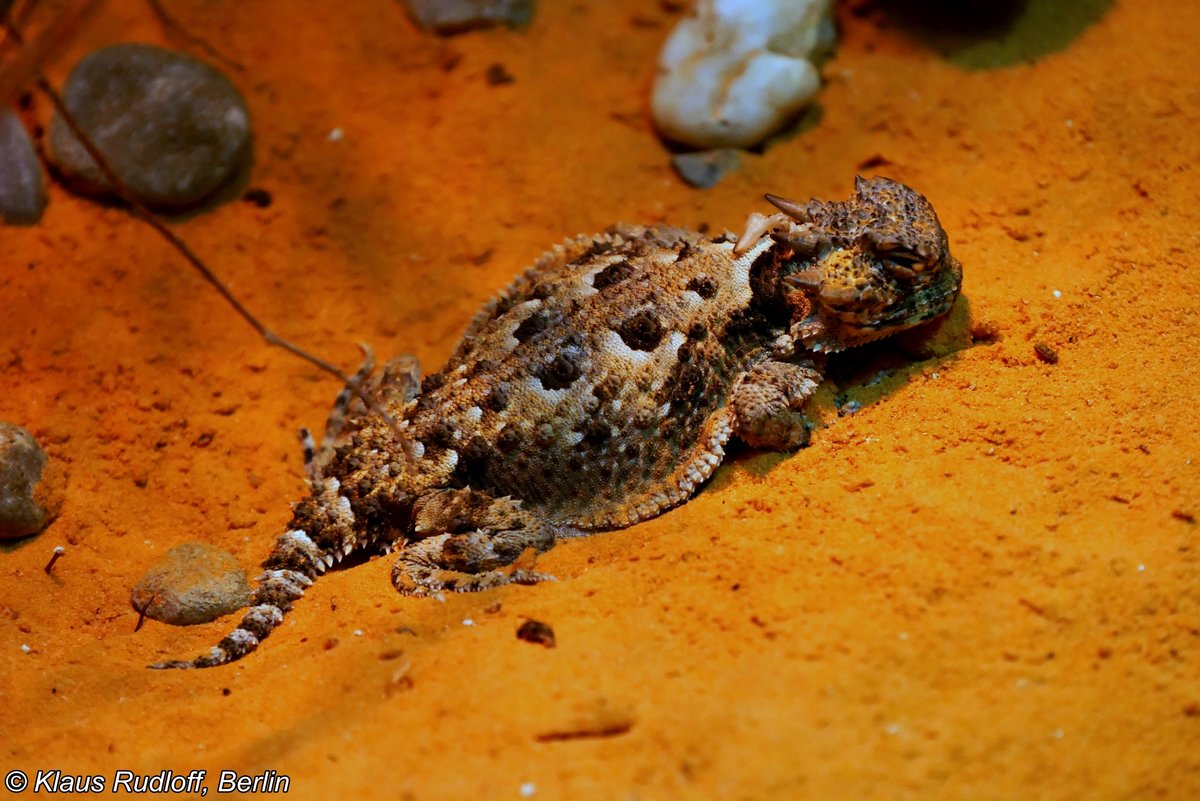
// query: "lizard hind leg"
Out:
[397,384]
[463,539]
[316,459]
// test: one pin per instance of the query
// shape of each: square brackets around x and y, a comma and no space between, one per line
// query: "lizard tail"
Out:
[293,564]
[296,560]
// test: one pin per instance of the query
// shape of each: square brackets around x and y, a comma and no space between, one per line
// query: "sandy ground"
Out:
[985,584]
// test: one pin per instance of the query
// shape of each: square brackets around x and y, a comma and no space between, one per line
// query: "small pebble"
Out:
[1046,353]
[192,583]
[537,632]
[848,408]
[258,197]
[22,194]
[498,75]
[704,168]
[455,16]
[173,128]
[31,485]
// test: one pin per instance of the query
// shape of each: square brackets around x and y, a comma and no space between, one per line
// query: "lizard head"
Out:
[862,268]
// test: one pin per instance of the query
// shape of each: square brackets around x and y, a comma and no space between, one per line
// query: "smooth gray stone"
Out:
[454,16]
[173,128]
[704,168]
[22,192]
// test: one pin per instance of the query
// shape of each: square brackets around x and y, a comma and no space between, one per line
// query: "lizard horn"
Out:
[789,207]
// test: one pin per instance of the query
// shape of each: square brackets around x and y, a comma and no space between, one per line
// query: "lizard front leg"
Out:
[464,538]
[767,404]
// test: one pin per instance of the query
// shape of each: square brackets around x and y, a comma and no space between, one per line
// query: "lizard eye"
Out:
[902,263]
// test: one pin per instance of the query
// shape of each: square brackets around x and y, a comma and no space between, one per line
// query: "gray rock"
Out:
[704,168]
[455,16]
[22,195]
[192,583]
[31,485]
[173,128]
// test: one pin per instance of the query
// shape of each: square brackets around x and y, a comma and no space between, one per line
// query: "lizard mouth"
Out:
[920,305]
[939,296]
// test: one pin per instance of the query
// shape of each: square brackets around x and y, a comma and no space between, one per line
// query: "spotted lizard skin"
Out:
[601,389]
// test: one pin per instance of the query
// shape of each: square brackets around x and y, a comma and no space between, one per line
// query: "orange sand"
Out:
[983,585]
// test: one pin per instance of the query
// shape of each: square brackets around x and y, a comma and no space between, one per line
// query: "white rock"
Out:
[733,71]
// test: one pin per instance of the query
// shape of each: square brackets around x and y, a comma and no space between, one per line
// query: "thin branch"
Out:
[139,210]
[173,26]
[29,58]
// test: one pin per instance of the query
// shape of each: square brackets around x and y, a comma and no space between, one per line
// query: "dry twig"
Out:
[29,68]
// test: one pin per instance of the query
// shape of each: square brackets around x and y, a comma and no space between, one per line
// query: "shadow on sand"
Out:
[990,34]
